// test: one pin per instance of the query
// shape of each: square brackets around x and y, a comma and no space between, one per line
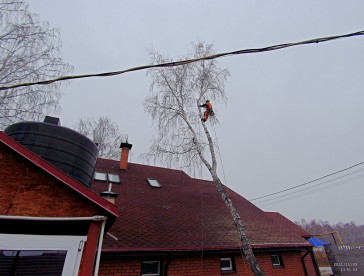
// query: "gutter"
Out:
[303,262]
[295,247]
[170,257]
[94,218]
[101,237]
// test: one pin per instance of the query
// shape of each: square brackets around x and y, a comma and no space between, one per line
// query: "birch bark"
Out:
[173,104]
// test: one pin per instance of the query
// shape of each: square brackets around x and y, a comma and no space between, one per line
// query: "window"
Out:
[100,176]
[150,268]
[113,178]
[153,183]
[36,262]
[40,255]
[276,260]
[227,265]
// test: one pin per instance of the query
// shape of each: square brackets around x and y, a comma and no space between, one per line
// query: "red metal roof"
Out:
[58,174]
[184,214]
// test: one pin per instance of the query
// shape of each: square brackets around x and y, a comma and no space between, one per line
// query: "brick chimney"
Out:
[125,148]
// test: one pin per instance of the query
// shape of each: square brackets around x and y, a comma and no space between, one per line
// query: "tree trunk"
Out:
[247,250]
[244,241]
[173,91]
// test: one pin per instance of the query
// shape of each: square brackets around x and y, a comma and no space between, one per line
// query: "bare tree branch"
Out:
[29,51]
[105,133]
[173,103]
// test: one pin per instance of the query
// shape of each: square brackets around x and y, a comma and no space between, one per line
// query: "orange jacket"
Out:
[207,106]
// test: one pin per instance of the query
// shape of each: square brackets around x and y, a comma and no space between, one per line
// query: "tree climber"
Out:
[208,110]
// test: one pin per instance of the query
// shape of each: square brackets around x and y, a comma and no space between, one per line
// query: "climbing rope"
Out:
[202,208]
[222,165]
[227,192]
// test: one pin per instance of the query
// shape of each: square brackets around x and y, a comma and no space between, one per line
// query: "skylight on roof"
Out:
[113,178]
[154,183]
[100,176]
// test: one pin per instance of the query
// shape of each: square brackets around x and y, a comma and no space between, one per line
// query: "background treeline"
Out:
[350,233]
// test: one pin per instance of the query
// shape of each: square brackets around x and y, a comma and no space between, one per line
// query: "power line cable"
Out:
[183,62]
[305,193]
[309,182]
[307,189]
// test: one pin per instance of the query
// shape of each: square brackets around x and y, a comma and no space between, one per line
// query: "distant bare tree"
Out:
[349,232]
[173,103]
[104,132]
[29,52]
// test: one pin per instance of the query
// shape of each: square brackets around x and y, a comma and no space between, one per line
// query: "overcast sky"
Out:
[293,115]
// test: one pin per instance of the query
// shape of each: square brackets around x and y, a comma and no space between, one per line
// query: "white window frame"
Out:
[154,183]
[110,177]
[279,264]
[230,268]
[153,274]
[100,176]
[72,244]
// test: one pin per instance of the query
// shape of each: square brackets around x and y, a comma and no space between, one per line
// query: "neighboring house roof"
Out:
[105,205]
[184,214]
[317,242]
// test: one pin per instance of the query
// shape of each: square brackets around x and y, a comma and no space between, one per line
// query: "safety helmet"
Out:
[207,100]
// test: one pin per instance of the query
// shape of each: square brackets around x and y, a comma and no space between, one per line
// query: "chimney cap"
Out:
[126,145]
[52,120]
[108,194]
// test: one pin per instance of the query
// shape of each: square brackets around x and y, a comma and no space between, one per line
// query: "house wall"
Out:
[26,190]
[208,265]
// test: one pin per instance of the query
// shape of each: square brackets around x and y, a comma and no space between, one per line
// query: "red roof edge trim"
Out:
[58,174]
[281,245]
[194,248]
[204,248]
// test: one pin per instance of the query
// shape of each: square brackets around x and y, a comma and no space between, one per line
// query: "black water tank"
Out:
[66,149]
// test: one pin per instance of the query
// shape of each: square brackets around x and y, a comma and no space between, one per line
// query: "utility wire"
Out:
[178,63]
[306,190]
[304,194]
[309,182]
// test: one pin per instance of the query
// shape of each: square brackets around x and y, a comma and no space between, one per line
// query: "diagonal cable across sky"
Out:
[183,62]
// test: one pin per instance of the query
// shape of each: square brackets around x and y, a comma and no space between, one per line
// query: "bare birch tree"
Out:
[29,51]
[104,132]
[173,103]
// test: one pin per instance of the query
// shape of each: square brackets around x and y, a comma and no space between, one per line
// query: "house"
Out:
[50,224]
[172,224]
[154,221]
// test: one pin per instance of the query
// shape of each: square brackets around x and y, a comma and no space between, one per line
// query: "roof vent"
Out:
[109,195]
